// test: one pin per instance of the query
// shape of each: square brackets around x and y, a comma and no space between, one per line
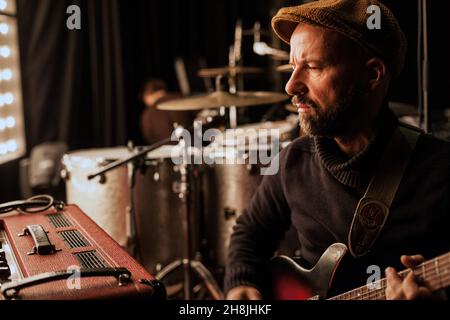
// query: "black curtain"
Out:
[73,83]
[73,80]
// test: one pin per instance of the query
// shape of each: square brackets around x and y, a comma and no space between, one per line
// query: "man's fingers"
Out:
[412,261]
[394,289]
[415,291]
[392,277]
[410,287]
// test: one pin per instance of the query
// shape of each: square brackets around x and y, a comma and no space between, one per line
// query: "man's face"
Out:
[326,81]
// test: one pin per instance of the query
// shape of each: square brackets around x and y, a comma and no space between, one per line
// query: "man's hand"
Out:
[408,288]
[244,293]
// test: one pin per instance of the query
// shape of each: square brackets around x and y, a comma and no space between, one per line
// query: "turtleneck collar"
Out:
[356,171]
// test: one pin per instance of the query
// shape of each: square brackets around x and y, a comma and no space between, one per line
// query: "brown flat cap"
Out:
[349,17]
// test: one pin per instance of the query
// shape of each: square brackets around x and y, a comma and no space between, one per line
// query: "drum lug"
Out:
[65,175]
[102,179]
[179,187]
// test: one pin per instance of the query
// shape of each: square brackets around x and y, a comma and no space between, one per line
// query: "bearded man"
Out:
[341,74]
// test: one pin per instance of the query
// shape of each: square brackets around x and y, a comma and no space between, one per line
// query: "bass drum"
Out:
[160,220]
[105,199]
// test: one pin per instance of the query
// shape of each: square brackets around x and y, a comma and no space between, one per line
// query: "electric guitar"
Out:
[292,282]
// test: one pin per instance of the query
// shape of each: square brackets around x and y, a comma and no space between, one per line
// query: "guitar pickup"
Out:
[42,243]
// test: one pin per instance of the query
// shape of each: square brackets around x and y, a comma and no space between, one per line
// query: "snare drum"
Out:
[106,202]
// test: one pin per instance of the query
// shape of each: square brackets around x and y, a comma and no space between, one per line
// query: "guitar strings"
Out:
[380,293]
[376,293]
[433,274]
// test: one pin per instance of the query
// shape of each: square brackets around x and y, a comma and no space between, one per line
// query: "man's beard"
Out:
[331,121]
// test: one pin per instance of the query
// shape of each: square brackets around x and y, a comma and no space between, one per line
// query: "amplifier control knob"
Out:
[2,255]
[5,273]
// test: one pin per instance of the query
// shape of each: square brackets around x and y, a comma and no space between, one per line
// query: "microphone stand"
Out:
[424,69]
[135,156]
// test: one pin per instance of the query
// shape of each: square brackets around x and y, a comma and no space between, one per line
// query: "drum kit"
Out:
[179,215]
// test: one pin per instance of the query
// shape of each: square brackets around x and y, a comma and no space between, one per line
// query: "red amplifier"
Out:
[62,254]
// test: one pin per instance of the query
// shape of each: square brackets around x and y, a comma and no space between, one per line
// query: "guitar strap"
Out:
[373,208]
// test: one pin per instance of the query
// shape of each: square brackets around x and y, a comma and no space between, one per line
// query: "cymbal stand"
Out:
[219,89]
[233,60]
[232,114]
[132,239]
[184,192]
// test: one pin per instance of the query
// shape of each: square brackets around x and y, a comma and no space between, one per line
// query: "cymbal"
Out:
[225,71]
[284,68]
[223,99]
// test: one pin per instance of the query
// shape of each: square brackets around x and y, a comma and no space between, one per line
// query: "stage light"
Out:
[8,7]
[4,28]
[11,146]
[12,131]
[9,98]
[5,51]
[3,149]
[10,122]
[6,75]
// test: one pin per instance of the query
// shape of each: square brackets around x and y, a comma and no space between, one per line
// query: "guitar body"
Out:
[293,282]
[290,281]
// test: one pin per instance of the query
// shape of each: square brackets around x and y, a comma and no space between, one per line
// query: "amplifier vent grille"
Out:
[90,260]
[59,221]
[74,239]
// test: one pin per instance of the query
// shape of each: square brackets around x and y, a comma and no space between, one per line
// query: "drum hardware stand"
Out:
[233,60]
[184,192]
[132,239]
[232,114]
[135,156]
[204,273]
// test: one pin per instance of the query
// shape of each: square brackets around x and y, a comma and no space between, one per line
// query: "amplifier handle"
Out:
[11,290]
[42,244]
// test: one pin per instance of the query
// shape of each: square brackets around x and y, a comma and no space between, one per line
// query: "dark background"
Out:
[81,86]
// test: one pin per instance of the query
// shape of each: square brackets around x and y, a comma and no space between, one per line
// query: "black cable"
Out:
[34,204]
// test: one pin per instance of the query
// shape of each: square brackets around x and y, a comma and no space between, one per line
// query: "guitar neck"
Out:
[435,273]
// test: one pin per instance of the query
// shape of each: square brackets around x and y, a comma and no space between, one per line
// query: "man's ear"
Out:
[378,72]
